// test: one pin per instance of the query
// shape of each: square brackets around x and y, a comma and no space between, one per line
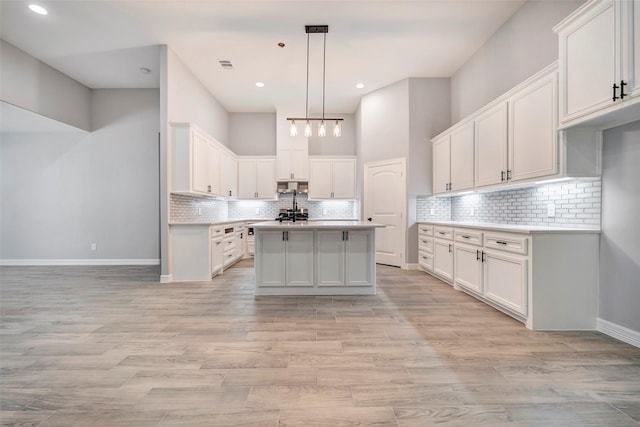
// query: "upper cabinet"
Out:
[228,173]
[332,178]
[514,139]
[256,178]
[599,72]
[195,161]
[292,160]
[453,160]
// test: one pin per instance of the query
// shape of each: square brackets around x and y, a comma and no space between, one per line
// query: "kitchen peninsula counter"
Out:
[315,258]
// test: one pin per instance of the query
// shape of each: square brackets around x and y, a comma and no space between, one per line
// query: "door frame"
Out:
[402,230]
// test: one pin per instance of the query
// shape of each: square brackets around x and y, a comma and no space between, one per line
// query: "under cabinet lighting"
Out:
[38,9]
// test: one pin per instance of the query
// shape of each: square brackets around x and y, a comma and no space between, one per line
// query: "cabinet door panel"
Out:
[228,174]
[635,90]
[468,267]
[491,146]
[505,281]
[360,262]
[344,179]
[321,179]
[462,159]
[213,169]
[590,62]
[246,179]
[270,259]
[216,256]
[441,164]
[200,159]
[443,258]
[265,178]
[533,144]
[300,163]
[299,258]
[331,258]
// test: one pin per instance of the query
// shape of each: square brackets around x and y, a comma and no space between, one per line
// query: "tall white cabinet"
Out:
[256,177]
[453,155]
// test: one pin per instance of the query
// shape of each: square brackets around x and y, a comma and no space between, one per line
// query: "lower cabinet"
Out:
[505,279]
[468,267]
[443,258]
[343,258]
[217,256]
[286,258]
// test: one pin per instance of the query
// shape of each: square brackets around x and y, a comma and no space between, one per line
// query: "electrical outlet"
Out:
[257,211]
[551,210]
[432,212]
[325,212]
[199,211]
[473,211]
[94,247]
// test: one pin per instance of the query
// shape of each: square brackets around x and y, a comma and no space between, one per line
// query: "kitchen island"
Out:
[315,258]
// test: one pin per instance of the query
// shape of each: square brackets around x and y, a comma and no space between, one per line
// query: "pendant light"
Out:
[322,128]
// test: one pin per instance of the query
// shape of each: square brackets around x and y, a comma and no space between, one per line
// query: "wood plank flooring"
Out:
[110,346]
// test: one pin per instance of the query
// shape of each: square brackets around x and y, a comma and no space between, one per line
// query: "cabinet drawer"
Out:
[216,231]
[471,237]
[505,242]
[425,244]
[229,243]
[228,258]
[426,230]
[425,260]
[443,233]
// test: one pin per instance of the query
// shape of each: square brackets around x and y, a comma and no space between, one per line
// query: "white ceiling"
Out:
[103,44]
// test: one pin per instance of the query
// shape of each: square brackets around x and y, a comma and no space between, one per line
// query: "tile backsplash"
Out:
[576,203]
[195,209]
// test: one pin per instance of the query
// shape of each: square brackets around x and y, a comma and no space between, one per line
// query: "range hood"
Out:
[285,187]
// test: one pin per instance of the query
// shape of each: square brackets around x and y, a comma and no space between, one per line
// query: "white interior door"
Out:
[385,203]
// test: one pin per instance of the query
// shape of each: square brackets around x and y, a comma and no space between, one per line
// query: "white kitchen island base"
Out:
[315,258]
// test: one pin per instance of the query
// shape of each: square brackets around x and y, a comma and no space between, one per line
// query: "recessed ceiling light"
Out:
[38,9]
[259,84]
[359,85]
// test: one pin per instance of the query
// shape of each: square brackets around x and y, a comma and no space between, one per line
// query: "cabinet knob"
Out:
[369,219]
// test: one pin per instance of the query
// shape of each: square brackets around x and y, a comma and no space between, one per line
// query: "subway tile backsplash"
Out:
[194,209]
[576,202]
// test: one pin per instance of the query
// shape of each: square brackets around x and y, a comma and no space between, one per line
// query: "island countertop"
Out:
[314,225]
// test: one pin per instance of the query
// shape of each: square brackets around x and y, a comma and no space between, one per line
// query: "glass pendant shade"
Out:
[322,129]
[337,130]
[293,129]
[307,129]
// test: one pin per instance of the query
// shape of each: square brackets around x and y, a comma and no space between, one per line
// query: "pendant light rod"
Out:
[324,68]
[306,109]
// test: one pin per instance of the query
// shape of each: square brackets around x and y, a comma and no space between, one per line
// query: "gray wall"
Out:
[35,86]
[60,192]
[252,134]
[524,45]
[620,237]
[329,145]
[188,101]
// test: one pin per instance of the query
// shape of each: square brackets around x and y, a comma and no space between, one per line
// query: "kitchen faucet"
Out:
[295,205]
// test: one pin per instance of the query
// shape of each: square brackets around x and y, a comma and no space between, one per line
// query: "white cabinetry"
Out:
[491,146]
[597,72]
[286,258]
[453,160]
[332,178]
[228,174]
[546,279]
[425,247]
[343,258]
[443,253]
[195,161]
[256,178]
[217,250]
[293,163]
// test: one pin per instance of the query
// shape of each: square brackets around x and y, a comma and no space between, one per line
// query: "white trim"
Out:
[166,278]
[27,262]
[619,332]
[412,266]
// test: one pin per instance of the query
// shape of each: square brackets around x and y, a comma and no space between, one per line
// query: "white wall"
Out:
[522,46]
[35,86]
[188,101]
[252,134]
[345,145]
[60,192]
[620,237]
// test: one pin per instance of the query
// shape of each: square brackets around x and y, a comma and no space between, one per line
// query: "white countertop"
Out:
[234,220]
[513,228]
[315,224]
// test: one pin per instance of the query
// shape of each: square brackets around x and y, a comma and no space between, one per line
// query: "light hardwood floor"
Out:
[110,346]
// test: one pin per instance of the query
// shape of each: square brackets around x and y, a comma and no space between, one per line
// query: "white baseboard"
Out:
[27,262]
[166,278]
[619,332]
[412,266]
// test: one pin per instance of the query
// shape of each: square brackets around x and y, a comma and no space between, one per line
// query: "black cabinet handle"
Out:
[477,255]
[502,176]
[208,189]
[229,193]
[500,242]
[346,235]
[450,247]
[615,86]
[465,237]
[622,85]
[508,174]
[369,219]
[484,256]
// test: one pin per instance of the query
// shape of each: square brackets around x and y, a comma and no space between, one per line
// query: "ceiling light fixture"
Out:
[259,84]
[38,9]
[359,85]
[322,129]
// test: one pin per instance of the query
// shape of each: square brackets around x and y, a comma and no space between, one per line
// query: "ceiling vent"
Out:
[227,65]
